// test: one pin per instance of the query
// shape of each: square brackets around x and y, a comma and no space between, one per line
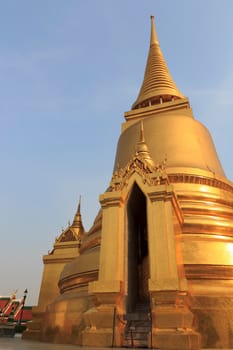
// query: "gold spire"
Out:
[77,222]
[153,36]
[158,85]
[142,148]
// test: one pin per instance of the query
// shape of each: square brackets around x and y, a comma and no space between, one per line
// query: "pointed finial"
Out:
[14,294]
[153,38]
[79,205]
[77,222]
[142,148]
[142,136]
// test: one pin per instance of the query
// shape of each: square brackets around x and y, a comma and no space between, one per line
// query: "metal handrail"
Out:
[119,319]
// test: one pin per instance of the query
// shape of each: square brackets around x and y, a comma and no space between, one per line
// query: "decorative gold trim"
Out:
[209,272]
[55,259]
[77,281]
[200,180]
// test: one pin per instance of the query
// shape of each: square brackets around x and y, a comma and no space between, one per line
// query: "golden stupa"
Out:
[156,268]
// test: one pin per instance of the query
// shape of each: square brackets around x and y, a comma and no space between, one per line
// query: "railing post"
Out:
[132,329]
[151,330]
[113,326]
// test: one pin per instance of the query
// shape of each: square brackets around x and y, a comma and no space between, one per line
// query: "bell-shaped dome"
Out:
[177,136]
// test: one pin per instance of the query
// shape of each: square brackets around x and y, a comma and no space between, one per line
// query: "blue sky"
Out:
[68,72]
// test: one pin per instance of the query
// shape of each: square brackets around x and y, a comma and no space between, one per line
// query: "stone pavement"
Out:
[17,343]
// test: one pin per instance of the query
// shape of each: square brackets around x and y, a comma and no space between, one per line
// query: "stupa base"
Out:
[97,337]
[176,339]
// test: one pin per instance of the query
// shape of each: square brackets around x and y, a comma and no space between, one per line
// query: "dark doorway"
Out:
[138,268]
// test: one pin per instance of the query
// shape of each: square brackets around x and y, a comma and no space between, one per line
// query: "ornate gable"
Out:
[67,236]
[151,175]
[142,164]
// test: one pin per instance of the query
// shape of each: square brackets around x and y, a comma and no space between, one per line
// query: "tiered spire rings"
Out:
[158,85]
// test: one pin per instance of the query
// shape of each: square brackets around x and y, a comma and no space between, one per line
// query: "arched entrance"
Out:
[138,266]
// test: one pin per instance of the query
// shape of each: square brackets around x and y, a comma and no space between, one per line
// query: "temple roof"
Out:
[75,231]
[158,85]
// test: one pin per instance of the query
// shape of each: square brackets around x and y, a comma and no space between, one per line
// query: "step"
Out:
[135,344]
[137,336]
[138,324]
[143,307]
[140,329]
[137,316]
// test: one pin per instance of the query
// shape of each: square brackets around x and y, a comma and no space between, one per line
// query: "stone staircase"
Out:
[138,327]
